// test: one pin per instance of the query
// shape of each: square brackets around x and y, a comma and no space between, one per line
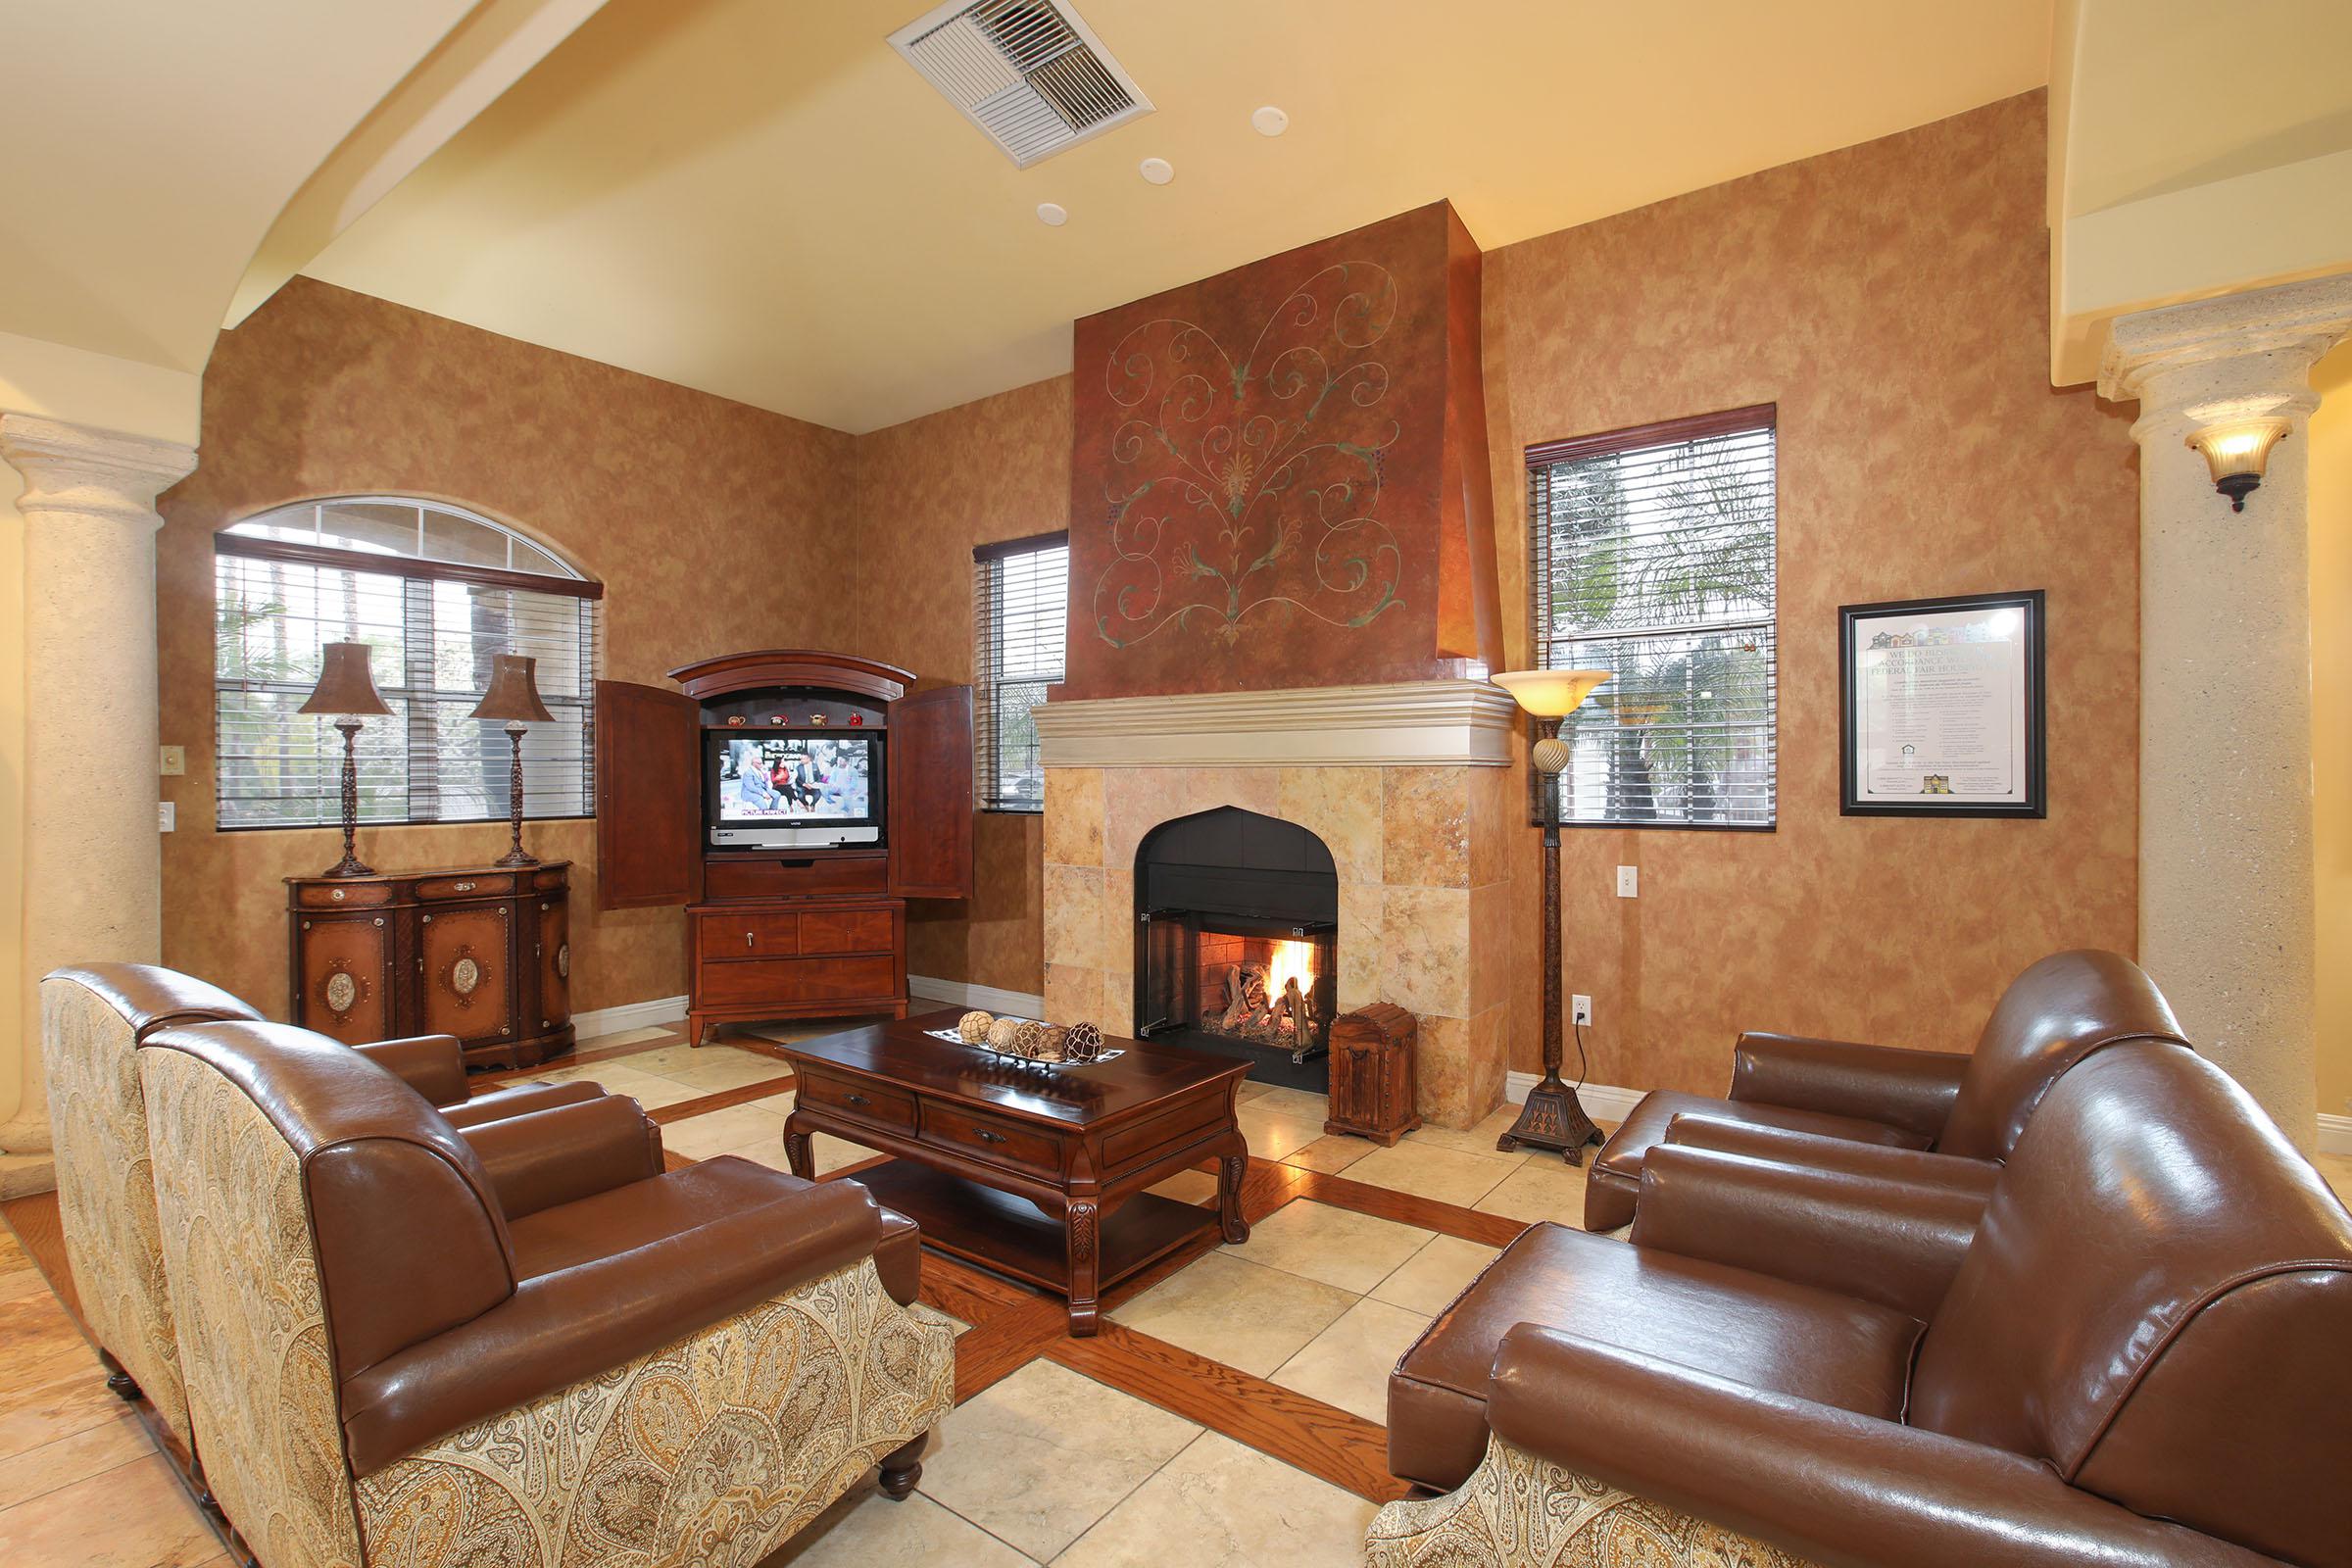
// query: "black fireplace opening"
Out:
[1237,941]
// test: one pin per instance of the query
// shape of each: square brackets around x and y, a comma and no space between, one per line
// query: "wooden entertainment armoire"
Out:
[783,933]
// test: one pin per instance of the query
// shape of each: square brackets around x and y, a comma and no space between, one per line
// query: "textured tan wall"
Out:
[1891,299]
[713,527]
[2330,459]
[927,492]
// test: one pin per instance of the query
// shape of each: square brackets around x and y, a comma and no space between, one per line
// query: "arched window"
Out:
[436,590]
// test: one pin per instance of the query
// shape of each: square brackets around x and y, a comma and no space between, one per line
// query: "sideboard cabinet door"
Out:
[465,961]
[343,981]
[554,941]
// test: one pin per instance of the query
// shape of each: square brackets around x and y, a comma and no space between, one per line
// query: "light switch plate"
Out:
[175,761]
[167,816]
[1629,881]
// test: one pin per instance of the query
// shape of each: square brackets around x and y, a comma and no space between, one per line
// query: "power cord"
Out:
[1583,1066]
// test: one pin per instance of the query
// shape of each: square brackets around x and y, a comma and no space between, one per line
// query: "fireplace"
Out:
[1237,941]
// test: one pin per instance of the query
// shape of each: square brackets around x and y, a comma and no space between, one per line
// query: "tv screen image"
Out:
[795,778]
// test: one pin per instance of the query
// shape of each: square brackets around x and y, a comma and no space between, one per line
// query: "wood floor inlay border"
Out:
[725,1100]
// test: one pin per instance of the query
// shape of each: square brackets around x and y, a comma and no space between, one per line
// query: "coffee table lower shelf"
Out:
[1014,1236]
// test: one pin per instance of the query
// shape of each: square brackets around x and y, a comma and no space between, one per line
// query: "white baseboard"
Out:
[629,1015]
[958,993]
[1601,1102]
[2336,1134]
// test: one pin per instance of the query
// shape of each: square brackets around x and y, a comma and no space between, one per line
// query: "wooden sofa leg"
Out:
[902,1468]
[120,1384]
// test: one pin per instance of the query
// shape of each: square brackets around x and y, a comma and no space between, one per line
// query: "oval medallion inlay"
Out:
[563,960]
[464,976]
[342,991]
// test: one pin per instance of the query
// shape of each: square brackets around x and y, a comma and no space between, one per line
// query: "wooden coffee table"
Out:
[1034,1172]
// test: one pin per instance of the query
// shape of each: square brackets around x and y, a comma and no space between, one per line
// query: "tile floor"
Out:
[1046,1465]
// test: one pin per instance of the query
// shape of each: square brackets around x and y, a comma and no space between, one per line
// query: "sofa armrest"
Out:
[1789,1146]
[1857,1236]
[1831,1486]
[500,1104]
[562,1328]
[434,1065]
[1913,1089]
[567,1152]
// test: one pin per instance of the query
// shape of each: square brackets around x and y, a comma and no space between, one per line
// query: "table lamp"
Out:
[346,689]
[514,695]
[1553,1117]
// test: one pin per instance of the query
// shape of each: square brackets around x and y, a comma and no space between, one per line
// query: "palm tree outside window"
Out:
[1653,556]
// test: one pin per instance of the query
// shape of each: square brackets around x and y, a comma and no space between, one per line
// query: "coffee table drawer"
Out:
[999,1142]
[862,1102]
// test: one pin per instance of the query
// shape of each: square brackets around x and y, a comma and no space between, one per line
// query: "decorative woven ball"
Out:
[972,1028]
[1083,1043]
[1053,1045]
[1001,1033]
[1029,1040]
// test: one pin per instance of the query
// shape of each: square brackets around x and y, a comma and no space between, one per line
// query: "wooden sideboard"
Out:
[481,952]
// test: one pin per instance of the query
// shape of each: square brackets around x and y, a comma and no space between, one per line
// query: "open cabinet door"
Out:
[931,795]
[649,796]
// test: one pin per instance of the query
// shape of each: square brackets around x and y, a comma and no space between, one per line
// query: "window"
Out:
[435,591]
[1020,622]
[1653,558]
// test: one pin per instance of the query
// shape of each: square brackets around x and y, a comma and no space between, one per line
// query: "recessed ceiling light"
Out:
[1270,121]
[1158,171]
[1053,214]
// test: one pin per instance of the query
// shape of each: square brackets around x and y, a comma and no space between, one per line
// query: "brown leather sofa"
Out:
[92,1018]
[2133,1353]
[1823,1101]
[522,1343]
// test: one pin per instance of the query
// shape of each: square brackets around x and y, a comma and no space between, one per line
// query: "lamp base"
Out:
[516,856]
[1551,1118]
[350,865]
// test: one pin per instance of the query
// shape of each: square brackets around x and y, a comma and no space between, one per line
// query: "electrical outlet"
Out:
[175,761]
[166,817]
[1629,881]
[1580,1009]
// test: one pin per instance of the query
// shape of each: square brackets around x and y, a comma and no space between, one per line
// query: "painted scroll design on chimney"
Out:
[1235,486]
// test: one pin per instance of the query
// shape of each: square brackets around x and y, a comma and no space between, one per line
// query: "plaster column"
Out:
[93,862]
[2225,879]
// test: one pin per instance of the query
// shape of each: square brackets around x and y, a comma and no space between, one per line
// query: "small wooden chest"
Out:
[1372,1073]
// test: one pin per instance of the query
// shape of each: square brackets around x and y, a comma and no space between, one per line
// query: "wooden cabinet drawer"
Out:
[749,935]
[862,1102]
[999,1142]
[785,981]
[846,931]
[358,895]
[433,889]
[791,876]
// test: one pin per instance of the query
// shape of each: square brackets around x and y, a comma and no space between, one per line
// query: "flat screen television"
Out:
[791,789]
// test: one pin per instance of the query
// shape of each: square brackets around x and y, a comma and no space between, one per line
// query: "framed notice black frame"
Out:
[1929,623]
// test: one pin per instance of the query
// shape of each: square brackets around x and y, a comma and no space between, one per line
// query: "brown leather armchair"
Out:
[412,1346]
[92,1018]
[2131,1354]
[1830,1103]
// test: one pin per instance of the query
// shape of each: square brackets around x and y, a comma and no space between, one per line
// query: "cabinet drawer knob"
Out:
[465,887]
[856,1099]
[988,1137]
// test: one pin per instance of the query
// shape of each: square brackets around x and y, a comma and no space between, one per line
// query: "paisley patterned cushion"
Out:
[106,1190]
[1519,1511]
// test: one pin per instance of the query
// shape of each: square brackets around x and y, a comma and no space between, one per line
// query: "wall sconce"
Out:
[2235,452]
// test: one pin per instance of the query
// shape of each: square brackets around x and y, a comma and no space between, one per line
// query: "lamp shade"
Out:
[344,684]
[513,694]
[1550,693]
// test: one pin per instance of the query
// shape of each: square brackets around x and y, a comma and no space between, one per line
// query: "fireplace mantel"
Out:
[1414,723]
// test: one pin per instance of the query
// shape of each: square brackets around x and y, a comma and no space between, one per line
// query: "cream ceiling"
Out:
[760,199]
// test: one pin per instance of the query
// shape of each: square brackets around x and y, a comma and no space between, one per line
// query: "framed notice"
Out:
[1942,702]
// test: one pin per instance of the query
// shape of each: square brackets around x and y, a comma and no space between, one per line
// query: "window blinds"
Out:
[1654,555]
[434,627]
[1020,621]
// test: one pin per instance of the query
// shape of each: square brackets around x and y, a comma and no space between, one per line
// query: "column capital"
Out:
[2234,357]
[82,468]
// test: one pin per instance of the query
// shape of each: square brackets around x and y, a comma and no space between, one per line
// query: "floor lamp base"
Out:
[1551,1118]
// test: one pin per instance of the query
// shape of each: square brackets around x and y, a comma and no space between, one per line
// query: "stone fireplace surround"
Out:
[1408,785]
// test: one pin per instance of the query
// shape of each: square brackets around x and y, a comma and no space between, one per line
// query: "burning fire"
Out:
[1290,961]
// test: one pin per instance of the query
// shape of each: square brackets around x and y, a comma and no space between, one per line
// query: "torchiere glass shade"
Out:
[344,684]
[1550,693]
[2236,452]
[513,694]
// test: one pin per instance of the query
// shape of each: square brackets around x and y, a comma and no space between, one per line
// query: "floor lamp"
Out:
[1553,1117]
[346,689]
[514,695]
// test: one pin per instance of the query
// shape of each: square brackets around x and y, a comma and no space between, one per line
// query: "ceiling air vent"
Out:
[1029,73]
